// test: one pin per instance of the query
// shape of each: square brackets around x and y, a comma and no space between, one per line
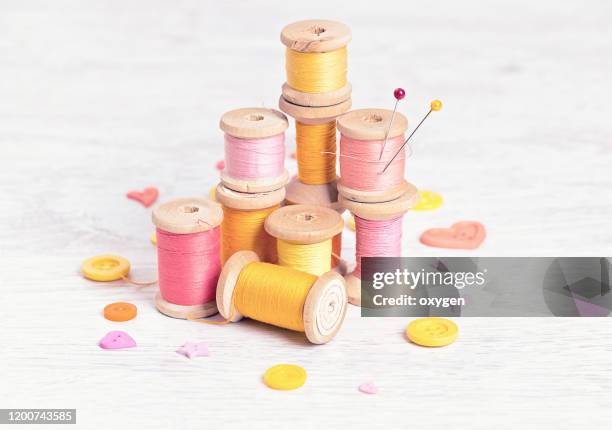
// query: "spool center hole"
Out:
[317,29]
[308,217]
[254,117]
[190,209]
[373,118]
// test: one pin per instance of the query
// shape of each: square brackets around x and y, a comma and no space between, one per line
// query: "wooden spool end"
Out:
[255,186]
[253,123]
[315,35]
[353,289]
[386,195]
[304,224]
[313,106]
[326,195]
[188,215]
[371,124]
[185,312]
[325,308]
[248,201]
[227,283]
[382,210]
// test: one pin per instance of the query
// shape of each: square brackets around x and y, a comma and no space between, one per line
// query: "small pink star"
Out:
[193,349]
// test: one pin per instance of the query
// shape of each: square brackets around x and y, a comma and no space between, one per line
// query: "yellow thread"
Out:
[244,230]
[316,147]
[314,258]
[336,249]
[316,72]
[272,294]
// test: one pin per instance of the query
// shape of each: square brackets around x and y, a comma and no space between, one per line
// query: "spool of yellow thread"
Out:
[316,152]
[282,297]
[244,215]
[316,62]
[304,236]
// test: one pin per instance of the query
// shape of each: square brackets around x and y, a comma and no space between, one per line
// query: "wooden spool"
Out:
[371,125]
[306,224]
[316,36]
[248,202]
[253,123]
[186,216]
[376,212]
[324,194]
[324,309]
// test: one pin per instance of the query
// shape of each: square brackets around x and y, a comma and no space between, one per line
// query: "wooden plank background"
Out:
[101,97]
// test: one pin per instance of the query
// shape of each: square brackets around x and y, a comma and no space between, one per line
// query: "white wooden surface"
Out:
[98,98]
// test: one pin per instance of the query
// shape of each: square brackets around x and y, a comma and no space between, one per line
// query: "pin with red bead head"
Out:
[435,105]
[399,94]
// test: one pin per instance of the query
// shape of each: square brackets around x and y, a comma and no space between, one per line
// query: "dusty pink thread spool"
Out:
[362,137]
[188,256]
[254,150]
[378,229]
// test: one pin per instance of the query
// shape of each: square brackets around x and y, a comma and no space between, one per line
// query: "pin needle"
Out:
[435,105]
[399,94]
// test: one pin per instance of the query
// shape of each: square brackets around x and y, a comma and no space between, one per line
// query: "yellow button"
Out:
[432,331]
[428,201]
[285,377]
[154,238]
[105,268]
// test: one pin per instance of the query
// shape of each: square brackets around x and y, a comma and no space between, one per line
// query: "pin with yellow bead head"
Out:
[434,106]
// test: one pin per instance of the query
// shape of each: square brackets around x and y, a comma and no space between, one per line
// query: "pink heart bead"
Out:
[368,388]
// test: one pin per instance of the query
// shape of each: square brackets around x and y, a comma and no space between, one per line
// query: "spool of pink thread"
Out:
[188,256]
[361,164]
[254,150]
[378,229]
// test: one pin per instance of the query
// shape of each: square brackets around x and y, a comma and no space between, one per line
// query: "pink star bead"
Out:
[192,349]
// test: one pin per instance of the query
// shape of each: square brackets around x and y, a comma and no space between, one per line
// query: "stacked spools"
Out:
[281,265]
[317,91]
[301,293]
[376,194]
[252,183]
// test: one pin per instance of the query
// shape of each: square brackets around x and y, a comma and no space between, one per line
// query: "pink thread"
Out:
[248,159]
[377,239]
[188,266]
[360,167]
